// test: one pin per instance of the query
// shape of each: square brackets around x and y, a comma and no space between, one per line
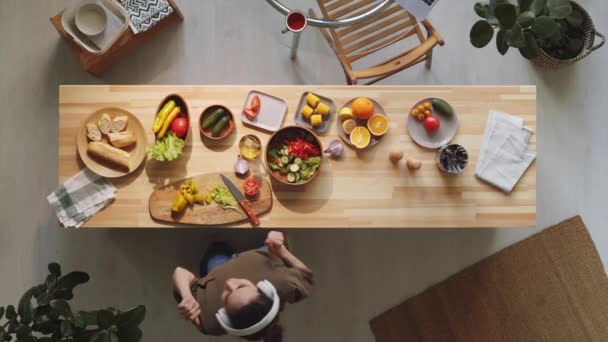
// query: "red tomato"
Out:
[255,104]
[431,123]
[251,187]
[250,114]
[179,126]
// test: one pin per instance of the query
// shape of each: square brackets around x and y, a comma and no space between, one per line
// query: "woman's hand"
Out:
[190,310]
[275,243]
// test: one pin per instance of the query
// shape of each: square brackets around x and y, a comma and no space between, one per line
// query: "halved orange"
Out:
[378,125]
[360,137]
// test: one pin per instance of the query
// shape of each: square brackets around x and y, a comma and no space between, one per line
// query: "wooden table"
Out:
[362,190]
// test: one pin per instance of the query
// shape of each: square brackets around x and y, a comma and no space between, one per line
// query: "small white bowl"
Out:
[91,19]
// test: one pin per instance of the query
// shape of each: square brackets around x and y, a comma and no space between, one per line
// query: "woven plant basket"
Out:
[545,61]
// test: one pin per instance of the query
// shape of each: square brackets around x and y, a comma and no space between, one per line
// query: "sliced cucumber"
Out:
[275,166]
[304,166]
[294,167]
[298,177]
[298,161]
[291,177]
[284,160]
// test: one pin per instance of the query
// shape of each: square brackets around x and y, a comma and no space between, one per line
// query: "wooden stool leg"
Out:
[429,59]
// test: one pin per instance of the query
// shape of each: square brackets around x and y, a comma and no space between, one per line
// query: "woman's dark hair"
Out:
[252,313]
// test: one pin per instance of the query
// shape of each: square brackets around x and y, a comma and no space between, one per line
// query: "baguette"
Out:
[93,132]
[110,154]
[119,123]
[122,139]
[104,124]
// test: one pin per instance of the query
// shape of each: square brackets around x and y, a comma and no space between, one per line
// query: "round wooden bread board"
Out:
[107,169]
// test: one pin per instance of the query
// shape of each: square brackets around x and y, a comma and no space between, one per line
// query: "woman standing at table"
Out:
[242,294]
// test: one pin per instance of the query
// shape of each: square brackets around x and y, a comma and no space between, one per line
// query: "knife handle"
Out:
[250,212]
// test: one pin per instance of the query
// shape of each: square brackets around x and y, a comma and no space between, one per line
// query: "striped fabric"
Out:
[146,13]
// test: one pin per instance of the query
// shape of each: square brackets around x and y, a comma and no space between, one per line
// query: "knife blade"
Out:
[238,195]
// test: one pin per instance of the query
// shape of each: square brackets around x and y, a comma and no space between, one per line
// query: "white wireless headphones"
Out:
[269,291]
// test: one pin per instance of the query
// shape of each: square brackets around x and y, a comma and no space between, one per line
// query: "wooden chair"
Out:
[352,43]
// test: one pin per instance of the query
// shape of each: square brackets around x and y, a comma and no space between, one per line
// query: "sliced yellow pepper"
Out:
[162,115]
[174,113]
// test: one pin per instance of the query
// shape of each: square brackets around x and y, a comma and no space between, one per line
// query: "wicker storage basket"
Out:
[545,61]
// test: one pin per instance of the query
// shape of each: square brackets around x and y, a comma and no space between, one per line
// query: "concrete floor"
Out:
[359,273]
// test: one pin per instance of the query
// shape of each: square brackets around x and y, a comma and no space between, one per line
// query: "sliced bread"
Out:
[119,123]
[122,139]
[93,132]
[105,123]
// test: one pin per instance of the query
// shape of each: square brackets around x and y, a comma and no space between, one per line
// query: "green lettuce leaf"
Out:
[168,148]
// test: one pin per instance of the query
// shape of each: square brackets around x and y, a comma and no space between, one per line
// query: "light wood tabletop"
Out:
[363,189]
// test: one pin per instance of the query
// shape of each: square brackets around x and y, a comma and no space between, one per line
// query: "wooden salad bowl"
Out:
[276,174]
[185,112]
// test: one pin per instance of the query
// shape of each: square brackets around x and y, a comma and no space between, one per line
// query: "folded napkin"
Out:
[81,197]
[146,13]
[504,155]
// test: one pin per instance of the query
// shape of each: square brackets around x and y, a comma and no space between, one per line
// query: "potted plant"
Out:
[44,315]
[550,33]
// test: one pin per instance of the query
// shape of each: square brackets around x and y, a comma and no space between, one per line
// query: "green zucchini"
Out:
[442,107]
[213,118]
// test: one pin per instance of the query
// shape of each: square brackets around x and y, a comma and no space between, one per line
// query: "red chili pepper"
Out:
[302,149]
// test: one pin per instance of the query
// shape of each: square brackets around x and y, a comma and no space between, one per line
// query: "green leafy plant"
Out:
[44,315]
[530,25]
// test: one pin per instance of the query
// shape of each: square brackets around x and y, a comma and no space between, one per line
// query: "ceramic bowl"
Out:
[91,19]
[207,132]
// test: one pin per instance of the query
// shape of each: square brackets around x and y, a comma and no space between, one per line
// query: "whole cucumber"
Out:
[213,118]
[219,126]
[443,107]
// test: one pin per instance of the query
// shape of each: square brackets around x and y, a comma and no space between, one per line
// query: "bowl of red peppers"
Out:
[294,155]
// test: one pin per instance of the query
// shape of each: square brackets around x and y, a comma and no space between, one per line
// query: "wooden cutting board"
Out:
[212,214]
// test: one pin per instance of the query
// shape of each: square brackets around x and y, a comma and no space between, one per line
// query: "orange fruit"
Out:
[378,125]
[363,108]
[427,105]
[360,137]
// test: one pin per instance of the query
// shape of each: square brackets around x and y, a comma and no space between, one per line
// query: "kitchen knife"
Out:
[241,199]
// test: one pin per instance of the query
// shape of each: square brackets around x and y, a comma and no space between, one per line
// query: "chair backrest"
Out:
[357,41]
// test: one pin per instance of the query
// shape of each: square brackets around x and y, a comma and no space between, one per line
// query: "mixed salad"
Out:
[295,155]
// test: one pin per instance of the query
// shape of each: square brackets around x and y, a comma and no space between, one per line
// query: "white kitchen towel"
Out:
[81,197]
[498,128]
[507,164]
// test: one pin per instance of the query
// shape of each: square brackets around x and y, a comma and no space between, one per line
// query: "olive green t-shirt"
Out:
[292,284]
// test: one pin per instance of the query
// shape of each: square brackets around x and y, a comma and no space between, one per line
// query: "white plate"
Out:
[374,139]
[448,126]
[271,114]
